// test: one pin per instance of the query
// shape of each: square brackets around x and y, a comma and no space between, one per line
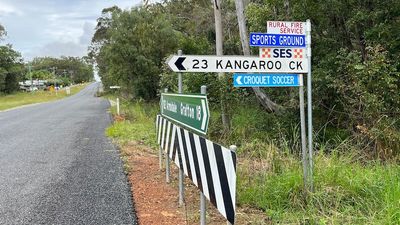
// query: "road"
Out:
[57,166]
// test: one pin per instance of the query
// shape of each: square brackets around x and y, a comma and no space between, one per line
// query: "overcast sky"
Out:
[53,27]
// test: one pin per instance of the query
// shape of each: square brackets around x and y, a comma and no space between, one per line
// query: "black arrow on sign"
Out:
[179,62]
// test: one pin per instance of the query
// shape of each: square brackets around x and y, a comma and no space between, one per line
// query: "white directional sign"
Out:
[231,64]
[284,27]
[115,87]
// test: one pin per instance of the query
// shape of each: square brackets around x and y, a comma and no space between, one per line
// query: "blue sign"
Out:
[277,40]
[266,80]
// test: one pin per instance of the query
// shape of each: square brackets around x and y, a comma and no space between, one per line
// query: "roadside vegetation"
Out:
[349,189]
[356,103]
[26,98]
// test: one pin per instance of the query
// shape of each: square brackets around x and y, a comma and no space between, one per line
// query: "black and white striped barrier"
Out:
[211,167]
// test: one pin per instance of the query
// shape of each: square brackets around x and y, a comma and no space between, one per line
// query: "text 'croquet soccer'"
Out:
[266,80]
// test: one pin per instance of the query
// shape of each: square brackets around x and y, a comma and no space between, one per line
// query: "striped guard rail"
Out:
[211,167]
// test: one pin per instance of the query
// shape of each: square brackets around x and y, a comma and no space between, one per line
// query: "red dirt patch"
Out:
[156,202]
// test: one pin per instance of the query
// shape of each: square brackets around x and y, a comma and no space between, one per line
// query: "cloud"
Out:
[66,48]
[6,9]
[57,49]
[53,28]
[88,31]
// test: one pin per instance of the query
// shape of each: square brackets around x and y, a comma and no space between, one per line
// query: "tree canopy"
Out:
[11,69]
[355,50]
[71,69]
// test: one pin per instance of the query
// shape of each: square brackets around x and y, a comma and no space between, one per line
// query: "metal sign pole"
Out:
[309,105]
[181,178]
[118,106]
[167,167]
[202,197]
[233,148]
[303,132]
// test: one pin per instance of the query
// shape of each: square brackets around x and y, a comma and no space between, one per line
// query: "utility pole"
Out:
[30,74]
[55,79]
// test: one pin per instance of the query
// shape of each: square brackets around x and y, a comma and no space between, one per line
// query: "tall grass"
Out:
[139,123]
[346,192]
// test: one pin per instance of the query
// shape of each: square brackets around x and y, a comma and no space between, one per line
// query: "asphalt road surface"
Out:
[57,166]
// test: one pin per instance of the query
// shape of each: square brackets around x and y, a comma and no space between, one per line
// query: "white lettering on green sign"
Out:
[189,110]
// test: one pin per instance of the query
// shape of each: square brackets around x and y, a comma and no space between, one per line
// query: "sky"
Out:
[54,28]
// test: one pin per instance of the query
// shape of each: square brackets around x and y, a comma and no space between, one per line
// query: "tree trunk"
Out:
[219,51]
[261,96]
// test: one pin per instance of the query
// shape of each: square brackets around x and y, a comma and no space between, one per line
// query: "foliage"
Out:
[2,32]
[138,126]
[355,64]
[133,55]
[40,75]
[11,69]
[65,69]
[347,190]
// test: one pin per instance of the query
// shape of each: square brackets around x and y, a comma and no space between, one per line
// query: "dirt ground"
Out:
[156,202]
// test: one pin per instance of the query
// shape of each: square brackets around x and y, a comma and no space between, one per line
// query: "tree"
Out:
[133,50]
[74,69]
[11,69]
[40,75]
[2,32]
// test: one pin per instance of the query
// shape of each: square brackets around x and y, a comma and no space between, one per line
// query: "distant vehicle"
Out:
[32,89]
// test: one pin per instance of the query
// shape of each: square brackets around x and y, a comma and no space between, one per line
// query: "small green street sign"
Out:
[188,110]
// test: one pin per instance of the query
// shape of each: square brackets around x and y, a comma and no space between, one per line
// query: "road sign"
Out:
[188,110]
[115,87]
[231,64]
[266,80]
[277,40]
[285,27]
[282,53]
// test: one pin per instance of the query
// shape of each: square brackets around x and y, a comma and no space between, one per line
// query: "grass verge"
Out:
[138,124]
[269,177]
[26,98]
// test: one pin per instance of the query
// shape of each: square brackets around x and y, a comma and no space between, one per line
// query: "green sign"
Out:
[188,110]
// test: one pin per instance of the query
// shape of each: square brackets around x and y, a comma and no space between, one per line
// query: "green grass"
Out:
[26,98]
[139,124]
[347,190]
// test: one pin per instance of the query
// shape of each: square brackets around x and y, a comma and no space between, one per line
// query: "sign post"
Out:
[116,87]
[181,175]
[202,196]
[288,36]
[309,105]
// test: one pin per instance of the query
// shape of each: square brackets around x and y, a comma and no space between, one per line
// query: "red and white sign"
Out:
[285,53]
[284,27]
